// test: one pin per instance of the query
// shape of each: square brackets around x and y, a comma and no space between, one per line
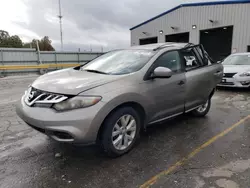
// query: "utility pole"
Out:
[60,22]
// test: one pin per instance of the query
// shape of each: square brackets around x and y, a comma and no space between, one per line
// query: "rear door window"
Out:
[190,59]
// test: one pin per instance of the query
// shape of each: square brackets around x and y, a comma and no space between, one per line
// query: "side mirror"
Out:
[162,72]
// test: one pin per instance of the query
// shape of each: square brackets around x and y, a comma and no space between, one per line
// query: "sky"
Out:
[87,24]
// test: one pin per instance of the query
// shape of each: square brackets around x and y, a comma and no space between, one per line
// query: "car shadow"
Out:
[81,151]
[162,143]
[233,89]
[154,135]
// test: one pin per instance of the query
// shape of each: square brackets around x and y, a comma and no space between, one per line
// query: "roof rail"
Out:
[163,46]
[188,45]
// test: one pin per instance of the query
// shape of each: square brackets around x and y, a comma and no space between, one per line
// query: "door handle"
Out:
[218,73]
[181,83]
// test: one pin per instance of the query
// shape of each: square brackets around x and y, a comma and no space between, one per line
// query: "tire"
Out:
[111,125]
[199,112]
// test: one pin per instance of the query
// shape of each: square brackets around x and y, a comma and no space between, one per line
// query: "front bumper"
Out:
[75,126]
[242,82]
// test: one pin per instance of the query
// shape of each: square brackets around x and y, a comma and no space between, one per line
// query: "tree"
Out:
[4,34]
[14,41]
[8,41]
[27,45]
[44,44]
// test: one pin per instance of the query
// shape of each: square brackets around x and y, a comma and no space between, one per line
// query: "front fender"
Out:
[111,104]
[128,97]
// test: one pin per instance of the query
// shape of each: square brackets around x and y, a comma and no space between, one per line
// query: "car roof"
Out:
[172,45]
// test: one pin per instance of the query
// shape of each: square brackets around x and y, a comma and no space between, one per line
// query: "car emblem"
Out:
[224,75]
[31,95]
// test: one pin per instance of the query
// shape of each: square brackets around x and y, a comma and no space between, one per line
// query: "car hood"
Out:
[236,68]
[71,81]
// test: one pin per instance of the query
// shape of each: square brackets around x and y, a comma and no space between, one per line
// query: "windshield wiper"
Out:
[95,71]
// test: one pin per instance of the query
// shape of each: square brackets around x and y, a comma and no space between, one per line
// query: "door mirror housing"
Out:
[162,72]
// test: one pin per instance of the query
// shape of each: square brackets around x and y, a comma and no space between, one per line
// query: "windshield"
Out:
[119,62]
[237,60]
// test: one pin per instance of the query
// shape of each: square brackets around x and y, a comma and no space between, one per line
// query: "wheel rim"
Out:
[202,108]
[124,132]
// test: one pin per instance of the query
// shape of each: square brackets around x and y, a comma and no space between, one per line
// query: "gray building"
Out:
[223,27]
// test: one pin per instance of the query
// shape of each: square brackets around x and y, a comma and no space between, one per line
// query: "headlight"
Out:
[245,74]
[77,102]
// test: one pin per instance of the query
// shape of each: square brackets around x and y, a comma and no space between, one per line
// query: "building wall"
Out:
[183,18]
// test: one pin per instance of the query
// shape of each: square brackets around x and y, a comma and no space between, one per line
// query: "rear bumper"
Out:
[241,82]
[75,126]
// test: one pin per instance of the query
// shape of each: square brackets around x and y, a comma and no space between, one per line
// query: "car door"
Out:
[199,77]
[167,94]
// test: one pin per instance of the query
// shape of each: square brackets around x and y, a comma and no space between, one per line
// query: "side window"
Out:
[190,59]
[169,60]
[204,60]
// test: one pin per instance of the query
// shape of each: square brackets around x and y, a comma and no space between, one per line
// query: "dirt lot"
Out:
[184,152]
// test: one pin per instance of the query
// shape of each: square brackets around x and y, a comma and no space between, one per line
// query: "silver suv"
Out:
[110,99]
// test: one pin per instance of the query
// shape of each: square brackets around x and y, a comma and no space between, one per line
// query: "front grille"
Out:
[228,75]
[227,83]
[35,96]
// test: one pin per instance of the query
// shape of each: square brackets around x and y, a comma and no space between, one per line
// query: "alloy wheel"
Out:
[203,107]
[124,132]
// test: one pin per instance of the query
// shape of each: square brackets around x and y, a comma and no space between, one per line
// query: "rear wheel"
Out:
[203,109]
[121,130]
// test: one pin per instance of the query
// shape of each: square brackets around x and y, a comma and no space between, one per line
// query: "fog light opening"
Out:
[63,135]
[245,82]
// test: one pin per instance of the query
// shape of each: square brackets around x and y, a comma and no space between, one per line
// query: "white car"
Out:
[236,71]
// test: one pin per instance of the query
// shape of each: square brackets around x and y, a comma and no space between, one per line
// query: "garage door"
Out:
[180,37]
[151,40]
[217,42]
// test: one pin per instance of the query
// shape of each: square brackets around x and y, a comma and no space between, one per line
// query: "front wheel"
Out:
[202,110]
[121,130]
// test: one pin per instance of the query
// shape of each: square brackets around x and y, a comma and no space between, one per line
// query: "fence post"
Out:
[2,72]
[78,57]
[38,53]
[56,60]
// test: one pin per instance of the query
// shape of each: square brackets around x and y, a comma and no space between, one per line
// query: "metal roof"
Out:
[192,5]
